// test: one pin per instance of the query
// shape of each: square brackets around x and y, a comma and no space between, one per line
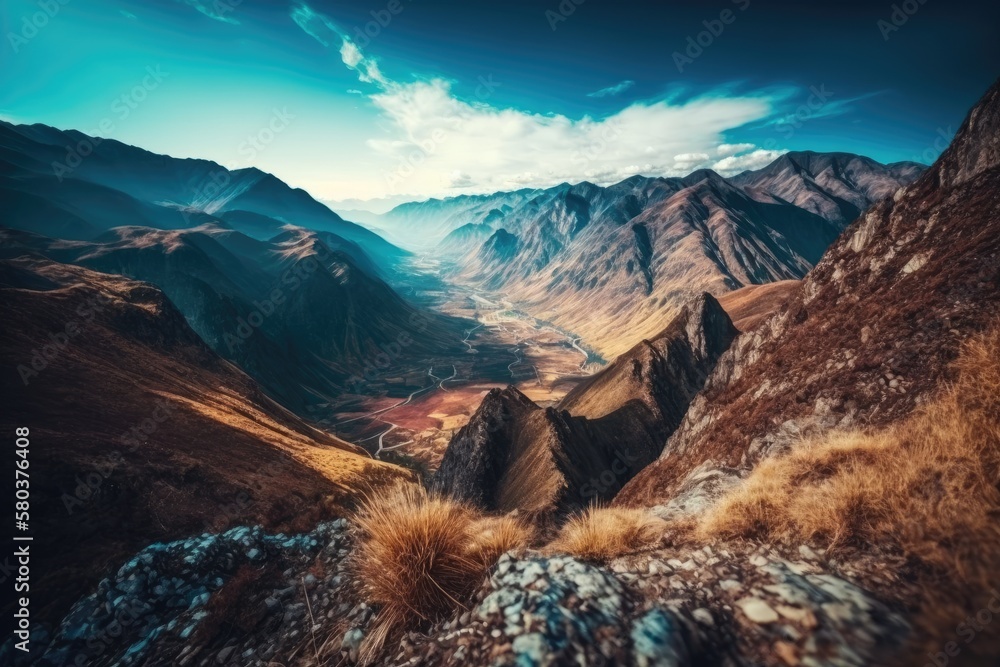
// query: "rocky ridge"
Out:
[514,454]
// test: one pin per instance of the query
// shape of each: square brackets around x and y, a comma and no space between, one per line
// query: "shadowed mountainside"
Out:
[141,433]
[295,312]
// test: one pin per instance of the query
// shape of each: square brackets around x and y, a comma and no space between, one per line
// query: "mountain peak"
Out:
[976,146]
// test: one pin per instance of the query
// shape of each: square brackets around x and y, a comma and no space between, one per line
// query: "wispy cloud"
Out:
[828,108]
[316,25]
[215,9]
[434,142]
[612,91]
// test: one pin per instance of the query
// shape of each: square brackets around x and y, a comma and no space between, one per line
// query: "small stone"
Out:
[757,610]
[730,585]
[703,616]
[224,655]
[787,653]
[807,553]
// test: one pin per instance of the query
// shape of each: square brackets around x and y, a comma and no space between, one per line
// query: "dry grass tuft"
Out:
[930,485]
[496,535]
[419,556]
[601,534]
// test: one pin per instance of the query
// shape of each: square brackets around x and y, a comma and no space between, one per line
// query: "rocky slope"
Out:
[869,333]
[600,260]
[141,433]
[514,454]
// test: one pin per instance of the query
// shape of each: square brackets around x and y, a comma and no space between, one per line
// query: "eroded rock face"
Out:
[671,608]
[514,454]
[870,333]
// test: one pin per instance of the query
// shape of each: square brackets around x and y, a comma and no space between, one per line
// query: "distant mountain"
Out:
[142,434]
[297,312]
[69,185]
[600,261]
[421,226]
[868,336]
[836,186]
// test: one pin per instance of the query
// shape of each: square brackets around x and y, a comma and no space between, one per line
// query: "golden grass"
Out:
[419,556]
[601,534]
[929,486]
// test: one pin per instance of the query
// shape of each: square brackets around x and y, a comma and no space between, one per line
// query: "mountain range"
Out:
[303,308]
[600,261]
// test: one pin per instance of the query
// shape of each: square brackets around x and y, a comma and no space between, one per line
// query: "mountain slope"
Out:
[514,454]
[295,314]
[141,433]
[870,332]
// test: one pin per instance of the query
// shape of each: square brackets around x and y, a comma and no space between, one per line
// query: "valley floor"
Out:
[413,408]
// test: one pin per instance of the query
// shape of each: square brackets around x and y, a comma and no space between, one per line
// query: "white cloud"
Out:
[434,133]
[316,25]
[216,10]
[756,159]
[435,143]
[611,91]
[725,150]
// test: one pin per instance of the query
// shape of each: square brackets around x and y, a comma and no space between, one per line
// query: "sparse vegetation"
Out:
[928,486]
[601,534]
[420,556]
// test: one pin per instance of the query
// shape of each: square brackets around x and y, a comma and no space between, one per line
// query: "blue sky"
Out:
[444,98]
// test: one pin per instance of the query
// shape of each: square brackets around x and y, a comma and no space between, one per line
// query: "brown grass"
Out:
[601,534]
[929,486]
[420,556]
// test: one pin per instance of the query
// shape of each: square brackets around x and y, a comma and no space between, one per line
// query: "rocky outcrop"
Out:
[514,454]
[869,334]
[673,607]
[250,598]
